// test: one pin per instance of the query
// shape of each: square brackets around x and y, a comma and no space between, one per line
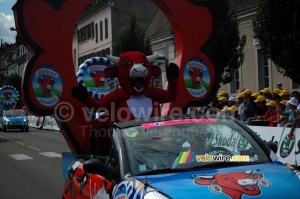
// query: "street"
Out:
[31,164]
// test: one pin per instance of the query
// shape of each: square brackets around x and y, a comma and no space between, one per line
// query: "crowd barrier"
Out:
[47,122]
[288,150]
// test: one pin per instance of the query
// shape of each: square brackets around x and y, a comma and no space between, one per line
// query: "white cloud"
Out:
[7,21]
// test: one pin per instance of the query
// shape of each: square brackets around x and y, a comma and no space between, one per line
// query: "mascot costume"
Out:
[135,99]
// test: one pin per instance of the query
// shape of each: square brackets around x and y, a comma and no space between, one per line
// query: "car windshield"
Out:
[188,144]
[14,113]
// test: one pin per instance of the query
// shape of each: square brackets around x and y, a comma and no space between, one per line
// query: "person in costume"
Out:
[135,99]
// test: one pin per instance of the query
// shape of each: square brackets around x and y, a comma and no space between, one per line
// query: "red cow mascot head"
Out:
[134,71]
[98,78]
[234,184]
[196,76]
[46,84]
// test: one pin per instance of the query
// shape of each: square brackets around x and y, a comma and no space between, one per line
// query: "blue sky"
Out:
[7,21]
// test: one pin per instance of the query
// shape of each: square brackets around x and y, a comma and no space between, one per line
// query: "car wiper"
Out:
[161,171]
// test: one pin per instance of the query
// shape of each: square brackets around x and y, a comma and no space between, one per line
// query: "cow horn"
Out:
[41,77]
[152,58]
[113,59]
[249,171]
[202,176]
[93,72]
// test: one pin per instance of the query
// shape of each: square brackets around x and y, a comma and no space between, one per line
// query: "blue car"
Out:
[15,119]
[203,156]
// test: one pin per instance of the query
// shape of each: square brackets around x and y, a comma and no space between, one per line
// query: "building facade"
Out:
[101,22]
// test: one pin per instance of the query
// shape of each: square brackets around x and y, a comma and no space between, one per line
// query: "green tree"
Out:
[277,26]
[132,38]
[227,48]
[13,80]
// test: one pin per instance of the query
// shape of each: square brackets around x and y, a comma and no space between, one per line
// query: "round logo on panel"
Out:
[196,77]
[47,85]
[9,96]
[286,147]
[90,74]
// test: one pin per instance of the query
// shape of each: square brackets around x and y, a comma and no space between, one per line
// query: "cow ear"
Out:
[111,72]
[155,70]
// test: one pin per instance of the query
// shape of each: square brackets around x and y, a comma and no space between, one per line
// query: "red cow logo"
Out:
[234,184]
[196,76]
[46,84]
[98,78]
[111,85]
[7,95]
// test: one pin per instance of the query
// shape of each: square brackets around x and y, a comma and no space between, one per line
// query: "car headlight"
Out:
[24,120]
[155,195]
[6,119]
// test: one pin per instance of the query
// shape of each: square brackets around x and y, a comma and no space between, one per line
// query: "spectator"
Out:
[281,115]
[223,94]
[285,95]
[256,94]
[246,104]
[271,115]
[292,116]
[222,102]
[233,111]
[232,101]
[279,86]
[240,99]
[253,106]
[224,111]
[292,112]
[266,93]
[275,95]
[296,94]
[261,109]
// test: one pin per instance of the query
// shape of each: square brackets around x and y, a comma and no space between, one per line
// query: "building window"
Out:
[101,31]
[106,28]
[92,30]
[89,32]
[235,83]
[79,36]
[263,70]
[96,32]
[74,57]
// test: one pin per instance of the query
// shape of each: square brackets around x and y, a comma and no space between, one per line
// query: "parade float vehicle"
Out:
[183,157]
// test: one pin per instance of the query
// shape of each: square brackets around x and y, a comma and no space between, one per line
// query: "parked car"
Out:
[15,119]
[183,157]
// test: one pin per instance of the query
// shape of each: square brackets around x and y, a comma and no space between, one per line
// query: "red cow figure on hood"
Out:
[135,99]
[46,84]
[98,78]
[234,184]
[196,76]
[7,95]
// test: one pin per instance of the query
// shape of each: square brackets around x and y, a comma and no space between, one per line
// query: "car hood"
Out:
[16,118]
[271,180]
